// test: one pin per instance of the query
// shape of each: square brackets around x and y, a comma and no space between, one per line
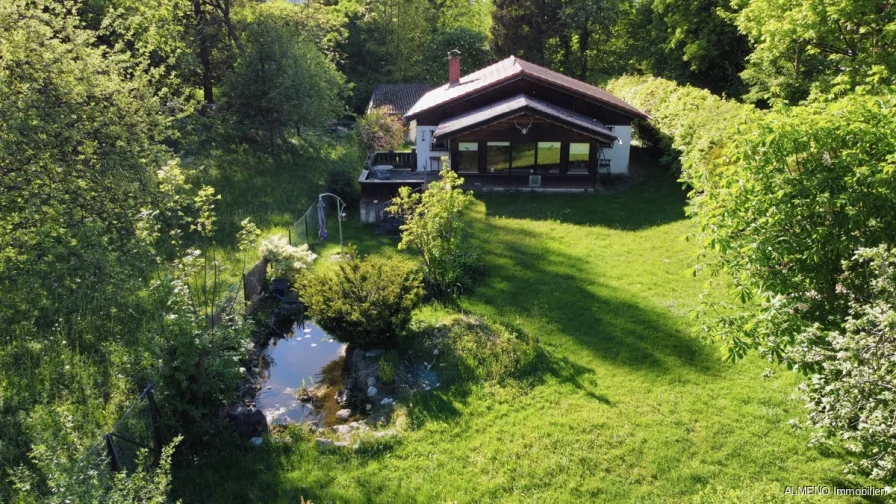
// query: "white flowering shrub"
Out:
[851,391]
[284,259]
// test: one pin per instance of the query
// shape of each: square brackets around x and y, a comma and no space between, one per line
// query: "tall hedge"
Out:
[685,121]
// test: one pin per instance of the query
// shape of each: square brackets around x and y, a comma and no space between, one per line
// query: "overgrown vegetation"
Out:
[477,351]
[380,131]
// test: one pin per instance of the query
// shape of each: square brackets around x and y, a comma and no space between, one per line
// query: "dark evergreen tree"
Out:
[524,27]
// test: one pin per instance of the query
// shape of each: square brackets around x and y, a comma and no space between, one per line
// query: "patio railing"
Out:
[402,160]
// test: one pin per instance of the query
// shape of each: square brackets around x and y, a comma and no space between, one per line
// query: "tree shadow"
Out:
[535,277]
[652,197]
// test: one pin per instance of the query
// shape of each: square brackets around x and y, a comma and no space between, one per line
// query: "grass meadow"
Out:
[629,405]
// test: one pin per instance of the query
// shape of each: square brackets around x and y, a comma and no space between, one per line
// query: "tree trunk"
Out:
[205,53]
[584,38]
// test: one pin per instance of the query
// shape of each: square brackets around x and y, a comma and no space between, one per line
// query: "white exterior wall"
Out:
[411,134]
[618,155]
[424,142]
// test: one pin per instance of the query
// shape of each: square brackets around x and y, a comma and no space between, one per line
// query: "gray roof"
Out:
[397,98]
[513,68]
[518,105]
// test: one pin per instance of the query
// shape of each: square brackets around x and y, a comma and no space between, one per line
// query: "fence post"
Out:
[307,233]
[114,464]
[155,417]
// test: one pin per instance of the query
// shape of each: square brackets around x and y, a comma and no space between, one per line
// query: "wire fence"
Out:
[138,429]
[306,230]
[311,227]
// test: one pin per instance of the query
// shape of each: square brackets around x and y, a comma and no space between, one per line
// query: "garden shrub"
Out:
[380,131]
[366,302]
[476,350]
[344,183]
[435,227]
[285,260]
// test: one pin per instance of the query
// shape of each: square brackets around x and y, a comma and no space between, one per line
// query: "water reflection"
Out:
[289,364]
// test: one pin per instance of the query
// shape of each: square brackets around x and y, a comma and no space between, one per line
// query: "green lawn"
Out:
[630,406]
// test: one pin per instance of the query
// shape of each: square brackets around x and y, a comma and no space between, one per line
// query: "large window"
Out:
[497,157]
[549,157]
[468,157]
[523,157]
[578,158]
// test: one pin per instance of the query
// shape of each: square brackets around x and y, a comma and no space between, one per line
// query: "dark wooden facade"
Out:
[554,95]
[539,130]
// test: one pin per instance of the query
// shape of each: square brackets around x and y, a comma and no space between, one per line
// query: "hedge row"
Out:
[686,122]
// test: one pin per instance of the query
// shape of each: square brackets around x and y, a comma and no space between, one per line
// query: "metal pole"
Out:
[339,207]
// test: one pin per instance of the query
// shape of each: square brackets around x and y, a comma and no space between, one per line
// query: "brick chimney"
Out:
[453,67]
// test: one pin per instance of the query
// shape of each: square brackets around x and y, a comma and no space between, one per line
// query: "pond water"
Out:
[305,357]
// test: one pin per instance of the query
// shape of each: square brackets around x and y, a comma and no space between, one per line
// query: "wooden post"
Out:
[564,158]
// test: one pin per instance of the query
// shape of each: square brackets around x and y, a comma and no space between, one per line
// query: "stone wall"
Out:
[253,284]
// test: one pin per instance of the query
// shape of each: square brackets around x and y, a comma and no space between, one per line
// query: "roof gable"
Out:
[514,68]
[522,104]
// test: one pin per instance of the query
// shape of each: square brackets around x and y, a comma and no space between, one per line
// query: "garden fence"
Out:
[137,429]
[306,230]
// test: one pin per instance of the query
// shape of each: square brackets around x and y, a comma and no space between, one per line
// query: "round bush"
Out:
[365,301]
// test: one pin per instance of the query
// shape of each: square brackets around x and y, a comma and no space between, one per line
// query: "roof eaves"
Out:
[535,111]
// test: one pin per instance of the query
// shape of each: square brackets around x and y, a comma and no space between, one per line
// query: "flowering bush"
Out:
[378,130]
[285,260]
[851,393]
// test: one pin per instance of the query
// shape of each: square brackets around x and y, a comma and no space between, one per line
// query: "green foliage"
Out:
[378,130]
[850,394]
[820,47]
[282,82]
[795,194]
[475,15]
[691,41]
[285,260]
[435,228]
[146,484]
[472,44]
[387,365]
[686,122]
[384,44]
[524,27]
[366,302]
[587,43]
[344,183]
[480,351]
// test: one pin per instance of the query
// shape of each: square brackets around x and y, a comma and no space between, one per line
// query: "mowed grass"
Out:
[629,405]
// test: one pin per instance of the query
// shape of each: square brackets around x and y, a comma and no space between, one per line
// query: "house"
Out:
[511,125]
[397,99]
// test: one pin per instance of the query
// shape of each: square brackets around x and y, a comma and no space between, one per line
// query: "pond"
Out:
[305,357]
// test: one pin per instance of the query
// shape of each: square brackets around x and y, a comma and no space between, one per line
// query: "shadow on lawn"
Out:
[655,199]
[537,277]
